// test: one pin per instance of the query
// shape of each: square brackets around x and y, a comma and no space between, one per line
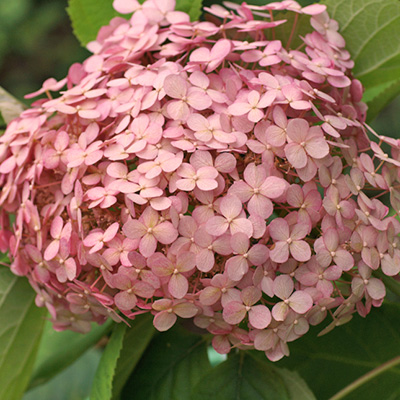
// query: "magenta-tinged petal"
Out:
[198,99]
[126,6]
[333,273]
[317,147]
[175,86]
[258,254]
[239,108]
[273,187]
[259,316]
[296,155]
[265,340]
[279,311]
[110,232]
[344,259]
[207,184]
[52,250]
[234,312]
[255,115]
[390,265]
[279,229]
[178,110]
[133,229]
[210,295]
[300,250]
[230,206]
[160,265]
[240,243]
[185,310]
[260,205]
[217,226]
[236,267]
[283,286]
[164,320]
[376,289]
[242,190]
[165,232]
[8,165]
[148,245]
[125,300]
[331,239]
[178,286]
[299,231]
[186,184]
[280,252]
[56,227]
[221,344]
[242,225]
[300,302]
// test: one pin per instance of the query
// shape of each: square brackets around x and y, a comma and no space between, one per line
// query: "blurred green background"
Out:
[36,42]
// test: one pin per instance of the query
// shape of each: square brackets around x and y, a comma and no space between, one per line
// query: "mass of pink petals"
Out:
[206,170]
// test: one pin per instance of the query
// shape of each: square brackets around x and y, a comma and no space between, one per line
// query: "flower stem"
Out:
[365,378]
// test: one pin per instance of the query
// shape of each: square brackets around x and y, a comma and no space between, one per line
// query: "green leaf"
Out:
[243,377]
[172,365]
[58,350]
[21,324]
[102,383]
[191,7]
[73,383]
[88,16]
[378,97]
[330,362]
[135,342]
[4,258]
[120,357]
[371,29]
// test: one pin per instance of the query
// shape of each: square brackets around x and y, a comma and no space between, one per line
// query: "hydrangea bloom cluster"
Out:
[216,170]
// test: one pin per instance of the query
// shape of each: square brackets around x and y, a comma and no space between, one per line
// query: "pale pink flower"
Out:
[178,284]
[288,240]
[208,245]
[237,266]
[64,264]
[314,275]
[304,142]
[259,315]
[204,178]
[150,230]
[253,107]
[364,283]
[168,310]
[211,59]
[328,250]
[258,189]
[97,239]
[232,218]
[165,162]
[220,288]
[177,88]
[58,231]
[299,301]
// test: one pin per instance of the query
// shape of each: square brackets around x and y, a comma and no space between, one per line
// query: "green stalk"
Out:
[365,378]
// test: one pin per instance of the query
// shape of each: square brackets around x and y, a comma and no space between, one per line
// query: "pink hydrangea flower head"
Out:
[186,172]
